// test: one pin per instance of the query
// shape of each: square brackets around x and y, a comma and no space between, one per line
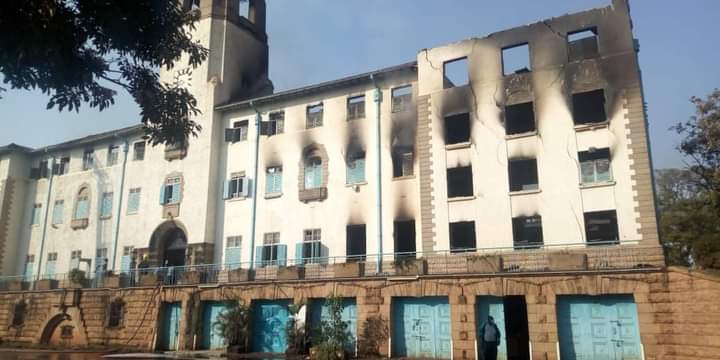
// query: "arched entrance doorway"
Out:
[169,243]
[61,330]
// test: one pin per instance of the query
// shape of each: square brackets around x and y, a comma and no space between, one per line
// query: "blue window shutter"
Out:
[269,183]
[232,257]
[282,255]
[259,256]
[245,191]
[82,210]
[50,270]
[162,195]
[28,271]
[324,253]
[226,190]
[277,184]
[299,253]
[175,197]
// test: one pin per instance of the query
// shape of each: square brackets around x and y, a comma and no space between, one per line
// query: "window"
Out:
[273,180]
[82,204]
[75,257]
[101,260]
[133,204]
[519,118]
[271,253]
[404,238]
[44,169]
[310,251]
[233,241]
[582,45]
[355,169]
[66,332]
[88,159]
[170,192]
[19,310]
[595,166]
[314,116]
[589,107]
[457,129]
[112,155]
[462,236]
[456,73]
[276,124]
[139,151]
[401,98]
[127,250]
[232,252]
[527,232]
[459,182]
[52,256]
[244,8]
[115,313]
[356,107]
[238,132]
[516,59]
[523,174]
[403,161]
[29,265]
[36,214]
[62,167]
[58,210]
[601,227]
[237,187]
[106,205]
[313,172]
[356,242]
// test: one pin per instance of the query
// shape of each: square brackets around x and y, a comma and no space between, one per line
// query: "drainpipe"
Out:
[378,97]
[47,213]
[258,119]
[126,148]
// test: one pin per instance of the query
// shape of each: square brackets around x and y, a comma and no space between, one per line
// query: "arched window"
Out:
[82,204]
[313,172]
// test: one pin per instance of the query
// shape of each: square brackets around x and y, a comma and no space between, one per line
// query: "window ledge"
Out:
[462,145]
[77,224]
[461,198]
[356,118]
[132,213]
[108,217]
[357,184]
[239,198]
[521,135]
[592,126]
[401,178]
[273,195]
[597,184]
[525,192]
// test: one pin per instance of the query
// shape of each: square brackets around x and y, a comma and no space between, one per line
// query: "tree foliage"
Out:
[72,50]
[233,324]
[332,336]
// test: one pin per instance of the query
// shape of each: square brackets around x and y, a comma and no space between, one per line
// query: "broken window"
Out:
[401,98]
[115,313]
[356,107]
[139,151]
[523,174]
[238,132]
[456,73]
[237,187]
[355,169]
[516,59]
[88,159]
[519,118]
[314,116]
[313,172]
[582,44]
[601,227]
[589,107]
[112,155]
[527,232]
[404,232]
[275,125]
[19,311]
[457,129]
[459,182]
[594,166]
[403,161]
[462,236]
[355,242]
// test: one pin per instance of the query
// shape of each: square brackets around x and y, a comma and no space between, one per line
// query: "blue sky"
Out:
[318,40]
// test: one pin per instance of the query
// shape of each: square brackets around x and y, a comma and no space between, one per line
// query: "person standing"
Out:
[490,338]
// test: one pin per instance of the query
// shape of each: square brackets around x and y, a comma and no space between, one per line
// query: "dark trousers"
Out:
[490,350]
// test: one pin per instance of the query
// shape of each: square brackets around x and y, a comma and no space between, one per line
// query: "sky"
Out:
[318,40]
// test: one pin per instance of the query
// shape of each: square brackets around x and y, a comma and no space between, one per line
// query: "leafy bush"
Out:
[296,335]
[332,336]
[233,323]
[76,276]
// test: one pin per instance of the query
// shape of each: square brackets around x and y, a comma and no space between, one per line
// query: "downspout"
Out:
[47,213]
[258,119]
[378,97]
[126,148]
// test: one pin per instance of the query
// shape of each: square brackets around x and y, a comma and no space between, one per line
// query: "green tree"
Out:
[73,50]
[233,325]
[332,337]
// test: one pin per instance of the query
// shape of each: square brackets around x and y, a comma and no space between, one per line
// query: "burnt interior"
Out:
[459,182]
[402,159]
[527,232]
[404,234]
[462,236]
[517,335]
[589,107]
[356,242]
[457,129]
[582,44]
[601,227]
[523,174]
[519,118]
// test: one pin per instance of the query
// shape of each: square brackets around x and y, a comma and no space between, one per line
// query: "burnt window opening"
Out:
[401,98]
[19,312]
[516,59]
[527,232]
[275,124]
[462,236]
[519,118]
[356,242]
[356,107]
[601,227]
[238,132]
[457,129]
[314,116]
[523,174]
[589,107]
[403,159]
[456,73]
[404,234]
[582,44]
[595,166]
[115,313]
[459,182]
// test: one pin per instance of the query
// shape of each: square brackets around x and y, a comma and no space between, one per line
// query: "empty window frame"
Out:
[88,159]
[595,166]
[582,44]
[462,236]
[403,159]
[112,155]
[35,215]
[457,129]
[106,205]
[170,191]
[238,132]
[516,59]
[116,314]
[401,98]
[459,182]
[273,180]
[527,232]
[311,247]
[456,73]
[404,237]
[133,203]
[237,187]
[601,227]
[356,107]
[356,242]
[519,118]
[523,174]
[275,124]
[58,211]
[589,107]
[313,172]
[355,169]
[139,151]
[314,116]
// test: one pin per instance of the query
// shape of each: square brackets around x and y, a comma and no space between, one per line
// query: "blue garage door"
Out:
[319,311]
[491,306]
[211,339]
[170,326]
[598,327]
[421,327]
[270,318]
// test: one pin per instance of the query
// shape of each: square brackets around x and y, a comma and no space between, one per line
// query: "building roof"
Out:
[90,139]
[9,148]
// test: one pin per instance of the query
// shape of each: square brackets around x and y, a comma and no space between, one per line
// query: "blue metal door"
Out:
[421,327]
[270,318]
[598,327]
[170,326]
[491,306]
[319,311]
[211,339]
